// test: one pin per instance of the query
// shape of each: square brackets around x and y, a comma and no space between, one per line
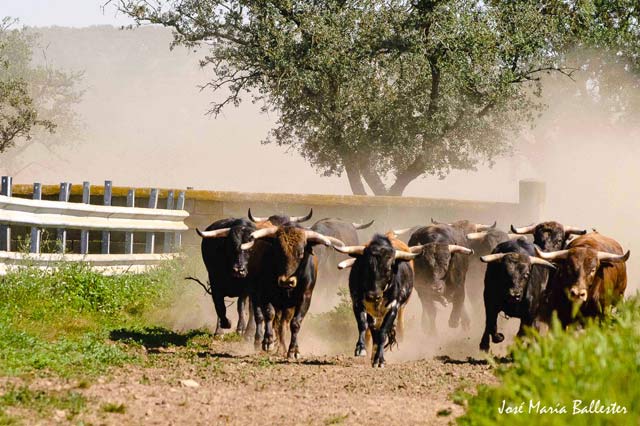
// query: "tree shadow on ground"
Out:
[155,337]
[445,359]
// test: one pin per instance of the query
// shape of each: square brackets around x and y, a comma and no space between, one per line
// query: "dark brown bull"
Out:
[286,282]
[550,235]
[591,277]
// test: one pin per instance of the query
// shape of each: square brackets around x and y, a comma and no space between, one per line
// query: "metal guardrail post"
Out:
[128,237]
[84,234]
[65,192]
[106,235]
[5,231]
[36,233]
[151,237]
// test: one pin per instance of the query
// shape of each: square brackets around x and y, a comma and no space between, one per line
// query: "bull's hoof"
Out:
[360,351]
[295,353]
[497,337]
[268,346]
[453,322]
[484,346]
[378,363]
[225,323]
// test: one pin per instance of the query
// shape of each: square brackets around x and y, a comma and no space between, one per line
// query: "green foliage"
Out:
[60,322]
[387,91]
[601,363]
[112,407]
[336,327]
[32,96]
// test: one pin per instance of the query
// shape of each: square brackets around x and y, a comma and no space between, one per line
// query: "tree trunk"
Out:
[373,180]
[353,174]
[403,179]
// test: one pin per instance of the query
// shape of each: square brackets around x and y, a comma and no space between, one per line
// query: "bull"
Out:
[514,283]
[380,284]
[286,282]
[440,272]
[591,277]
[277,219]
[228,267]
[549,235]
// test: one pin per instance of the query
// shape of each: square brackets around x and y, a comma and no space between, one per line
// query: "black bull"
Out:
[514,283]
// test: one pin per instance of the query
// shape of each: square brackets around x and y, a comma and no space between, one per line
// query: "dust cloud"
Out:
[144,124]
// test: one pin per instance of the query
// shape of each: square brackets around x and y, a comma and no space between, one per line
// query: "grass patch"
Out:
[61,322]
[338,326]
[112,407]
[600,363]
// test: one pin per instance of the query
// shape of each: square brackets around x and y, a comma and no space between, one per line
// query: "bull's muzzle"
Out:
[577,294]
[374,297]
[515,296]
[287,282]
[239,271]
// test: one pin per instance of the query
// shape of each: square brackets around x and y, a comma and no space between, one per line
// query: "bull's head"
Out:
[437,257]
[293,245]
[467,225]
[578,267]
[234,237]
[516,270]
[377,262]
[549,236]
[277,220]
[484,242]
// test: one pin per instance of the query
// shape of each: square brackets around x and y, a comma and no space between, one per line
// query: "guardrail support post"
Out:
[177,238]
[106,235]
[84,234]
[36,233]
[65,192]
[128,237]
[151,237]
[168,236]
[5,231]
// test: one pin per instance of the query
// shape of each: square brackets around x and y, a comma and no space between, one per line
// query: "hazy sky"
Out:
[70,13]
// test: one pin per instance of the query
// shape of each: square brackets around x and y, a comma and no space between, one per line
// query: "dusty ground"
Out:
[234,388]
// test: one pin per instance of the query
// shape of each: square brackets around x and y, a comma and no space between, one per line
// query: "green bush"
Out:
[60,321]
[600,363]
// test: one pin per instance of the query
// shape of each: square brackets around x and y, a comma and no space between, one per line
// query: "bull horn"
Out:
[355,250]
[297,219]
[480,227]
[362,225]
[216,233]
[524,230]
[398,232]
[492,257]
[603,256]
[537,261]
[435,222]
[317,237]
[260,233]
[417,249]
[453,248]
[552,255]
[256,219]
[405,255]
[346,263]
[574,230]
[515,236]
[476,235]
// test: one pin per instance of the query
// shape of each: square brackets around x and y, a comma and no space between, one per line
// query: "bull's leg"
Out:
[258,317]
[285,320]
[428,315]
[458,310]
[490,328]
[251,325]
[296,322]
[379,337]
[269,339]
[361,320]
[400,323]
[242,322]
[221,311]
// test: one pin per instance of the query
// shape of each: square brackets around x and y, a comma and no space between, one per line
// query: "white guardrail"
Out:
[64,215]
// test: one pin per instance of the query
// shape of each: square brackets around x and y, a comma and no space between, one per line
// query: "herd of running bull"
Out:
[273,262]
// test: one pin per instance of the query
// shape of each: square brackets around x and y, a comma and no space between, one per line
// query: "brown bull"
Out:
[591,277]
